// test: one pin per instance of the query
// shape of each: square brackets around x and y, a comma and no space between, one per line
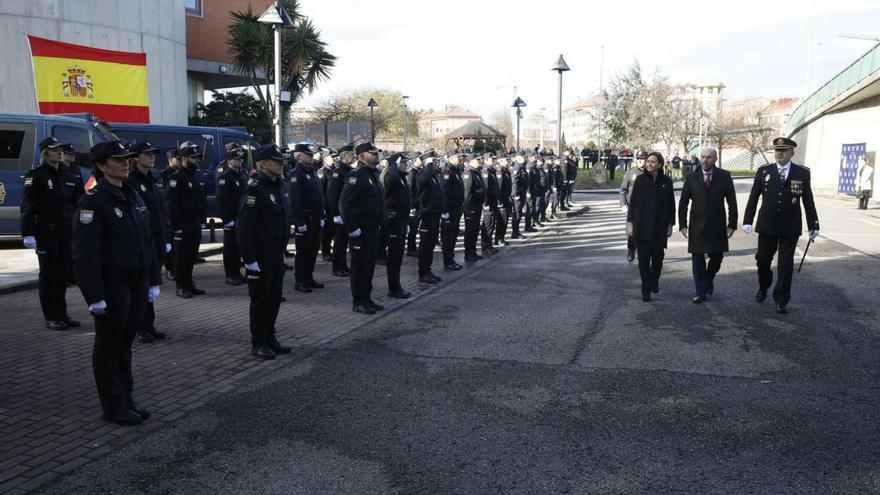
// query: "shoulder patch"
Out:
[86,216]
[28,181]
[352,180]
[251,200]
[172,183]
[222,182]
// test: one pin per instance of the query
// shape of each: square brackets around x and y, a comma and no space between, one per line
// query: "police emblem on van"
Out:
[2,193]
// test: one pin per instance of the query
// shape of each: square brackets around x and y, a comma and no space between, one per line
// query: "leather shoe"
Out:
[143,413]
[341,273]
[489,249]
[452,266]
[472,258]
[288,267]
[780,308]
[70,322]
[517,236]
[503,243]
[56,325]
[377,307]
[761,295]
[427,279]
[302,287]
[315,285]
[530,229]
[327,257]
[200,260]
[700,299]
[363,309]
[125,417]
[277,348]
[184,293]
[630,256]
[144,337]
[196,291]
[435,277]
[263,352]
[399,294]
[156,334]
[646,296]
[233,281]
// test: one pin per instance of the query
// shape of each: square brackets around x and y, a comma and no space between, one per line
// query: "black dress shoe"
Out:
[143,413]
[144,337]
[196,291]
[341,273]
[315,285]
[233,281]
[452,267]
[289,254]
[263,352]
[184,293]
[435,277]
[761,295]
[381,261]
[646,296]
[517,236]
[288,267]
[399,294]
[277,348]
[530,229]
[70,322]
[363,309]
[377,307]
[56,325]
[503,243]
[302,287]
[199,261]
[126,417]
[630,256]
[700,299]
[283,299]
[156,334]
[656,289]
[412,254]
[780,308]
[427,279]
[169,276]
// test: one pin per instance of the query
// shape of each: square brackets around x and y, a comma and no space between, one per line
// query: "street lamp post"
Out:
[372,104]
[518,104]
[559,67]
[404,121]
[277,17]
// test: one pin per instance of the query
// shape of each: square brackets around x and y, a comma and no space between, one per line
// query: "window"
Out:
[193,7]
[81,140]
[16,146]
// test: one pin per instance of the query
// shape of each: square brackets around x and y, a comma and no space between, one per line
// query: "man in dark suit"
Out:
[707,232]
[779,223]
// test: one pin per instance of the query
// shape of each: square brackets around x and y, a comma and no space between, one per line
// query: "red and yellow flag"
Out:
[73,78]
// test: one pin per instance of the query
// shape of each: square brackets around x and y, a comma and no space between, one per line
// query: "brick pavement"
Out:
[49,413]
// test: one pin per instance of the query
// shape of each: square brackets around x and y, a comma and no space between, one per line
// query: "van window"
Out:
[16,146]
[80,138]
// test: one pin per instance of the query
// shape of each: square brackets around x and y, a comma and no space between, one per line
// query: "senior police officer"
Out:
[142,180]
[361,205]
[187,212]
[308,217]
[230,187]
[432,211]
[334,189]
[779,223]
[118,274]
[263,229]
[453,196]
[397,208]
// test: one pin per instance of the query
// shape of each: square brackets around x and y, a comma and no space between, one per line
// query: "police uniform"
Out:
[164,177]
[340,239]
[187,212]
[117,269]
[412,180]
[474,197]
[521,197]
[779,223]
[49,196]
[543,193]
[536,194]
[361,205]
[308,211]
[490,208]
[327,230]
[505,204]
[144,183]
[263,229]
[453,196]
[231,185]
[432,209]
[397,207]
[571,171]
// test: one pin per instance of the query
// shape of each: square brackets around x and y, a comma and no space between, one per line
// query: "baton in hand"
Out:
[805,255]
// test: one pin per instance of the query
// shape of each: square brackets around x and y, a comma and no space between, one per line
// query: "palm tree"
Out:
[305,61]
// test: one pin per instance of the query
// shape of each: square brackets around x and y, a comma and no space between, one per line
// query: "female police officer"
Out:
[117,269]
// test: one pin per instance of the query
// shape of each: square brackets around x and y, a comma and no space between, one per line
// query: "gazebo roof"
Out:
[473,130]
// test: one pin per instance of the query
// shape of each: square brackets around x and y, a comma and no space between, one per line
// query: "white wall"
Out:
[156,27]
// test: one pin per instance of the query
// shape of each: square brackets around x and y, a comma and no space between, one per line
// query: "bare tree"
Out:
[352,106]
[756,135]
[503,123]
[725,129]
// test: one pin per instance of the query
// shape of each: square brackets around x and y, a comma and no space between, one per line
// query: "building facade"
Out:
[436,124]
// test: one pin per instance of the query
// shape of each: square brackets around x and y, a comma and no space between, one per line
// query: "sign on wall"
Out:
[849,167]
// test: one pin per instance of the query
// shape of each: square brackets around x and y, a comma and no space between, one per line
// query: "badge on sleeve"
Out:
[86,216]
[352,180]
[172,183]
[222,182]
[117,211]
[50,184]
[144,187]
[189,184]
[251,200]
[28,181]
[272,198]
[294,180]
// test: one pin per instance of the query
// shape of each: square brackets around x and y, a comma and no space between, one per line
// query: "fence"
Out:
[332,134]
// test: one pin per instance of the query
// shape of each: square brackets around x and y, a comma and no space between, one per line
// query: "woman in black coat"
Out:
[650,219]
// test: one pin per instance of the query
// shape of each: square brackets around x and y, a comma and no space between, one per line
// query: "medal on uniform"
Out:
[189,185]
[797,187]
[117,211]
[272,198]
[767,178]
[50,184]
[794,201]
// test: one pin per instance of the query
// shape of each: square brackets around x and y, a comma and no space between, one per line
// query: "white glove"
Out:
[814,234]
[230,224]
[624,209]
[98,308]
[322,223]
[445,216]
[302,228]
[30,242]
[153,293]
[355,233]
[747,229]
[254,267]
[337,220]
[167,247]
[412,212]
[407,230]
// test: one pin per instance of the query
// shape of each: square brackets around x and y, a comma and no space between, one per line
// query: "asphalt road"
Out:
[543,372]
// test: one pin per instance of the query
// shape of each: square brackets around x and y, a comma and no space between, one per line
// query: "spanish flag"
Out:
[72,78]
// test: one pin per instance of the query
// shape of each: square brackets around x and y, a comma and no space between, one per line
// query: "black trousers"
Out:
[449,230]
[471,231]
[170,255]
[363,263]
[396,229]
[704,274]
[382,246]
[541,205]
[429,230]
[553,200]
[520,211]
[148,322]
[53,254]
[630,244]
[327,237]
[768,245]
[487,228]
[340,247]
[414,221]
[307,244]
[264,289]
[650,265]
[114,333]
[533,210]
[231,256]
[501,216]
[186,247]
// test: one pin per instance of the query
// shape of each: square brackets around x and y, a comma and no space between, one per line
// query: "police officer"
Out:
[432,210]
[114,255]
[361,205]
[397,208]
[490,207]
[308,217]
[557,187]
[142,180]
[570,166]
[505,201]
[263,229]
[186,209]
[543,190]
[173,164]
[474,198]
[535,190]
[230,187]
[334,190]
[453,196]
[411,247]
[779,224]
[327,226]
[49,196]
[521,197]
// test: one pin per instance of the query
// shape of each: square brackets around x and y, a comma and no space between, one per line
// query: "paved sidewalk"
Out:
[49,413]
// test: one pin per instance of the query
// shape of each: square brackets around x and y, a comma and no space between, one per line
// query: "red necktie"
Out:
[708,180]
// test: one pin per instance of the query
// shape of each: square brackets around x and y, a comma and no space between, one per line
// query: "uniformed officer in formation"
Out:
[172,158]
[230,187]
[521,197]
[412,236]
[49,196]
[263,230]
[187,214]
[397,208]
[361,205]
[571,171]
[328,163]
[453,196]
[308,216]
[334,189]
[783,187]
[142,180]
[505,201]
[432,210]
[474,199]
[490,206]
[118,273]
